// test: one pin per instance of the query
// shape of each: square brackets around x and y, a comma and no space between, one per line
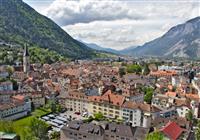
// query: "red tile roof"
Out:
[172,130]
[109,97]
[19,97]
[171,94]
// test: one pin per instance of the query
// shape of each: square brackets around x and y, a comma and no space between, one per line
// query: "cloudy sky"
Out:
[117,24]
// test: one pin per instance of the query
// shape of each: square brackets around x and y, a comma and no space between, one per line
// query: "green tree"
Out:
[55,136]
[15,85]
[98,116]
[53,106]
[10,70]
[27,135]
[197,132]
[59,108]
[7,126]
[146,69]
[134,68]
[148,95]
[39,129]
[155,136]
[189,115]
[122,71]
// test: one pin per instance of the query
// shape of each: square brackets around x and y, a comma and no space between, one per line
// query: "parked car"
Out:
[77,113]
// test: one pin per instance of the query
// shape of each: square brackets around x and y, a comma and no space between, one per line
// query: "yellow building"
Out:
[108,104]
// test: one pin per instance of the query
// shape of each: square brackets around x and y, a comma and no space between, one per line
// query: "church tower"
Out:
[26,64]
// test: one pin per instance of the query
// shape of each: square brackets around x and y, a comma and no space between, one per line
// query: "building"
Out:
[77,130]
[172,135]
[16,107]
[6,86]
[26,63]
[137,114]
[109,104]
[76,101]
[3,72]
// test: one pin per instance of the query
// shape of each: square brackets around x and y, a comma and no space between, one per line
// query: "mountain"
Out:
[19,24]
[127,51]
[180,41]
[99,48]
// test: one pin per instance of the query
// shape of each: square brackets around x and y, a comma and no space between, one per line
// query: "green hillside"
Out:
[19,24]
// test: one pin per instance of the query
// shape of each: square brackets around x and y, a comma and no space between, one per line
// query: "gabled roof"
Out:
[172,130]
[109,97]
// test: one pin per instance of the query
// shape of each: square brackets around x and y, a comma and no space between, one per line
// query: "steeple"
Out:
[26,64]
[26,51]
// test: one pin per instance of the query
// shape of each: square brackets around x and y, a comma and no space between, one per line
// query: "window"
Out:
[117,112]
[111,111]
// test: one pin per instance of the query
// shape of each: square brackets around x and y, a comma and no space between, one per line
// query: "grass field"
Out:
[23,124]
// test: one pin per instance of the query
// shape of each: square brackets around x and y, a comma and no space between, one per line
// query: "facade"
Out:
[77,102]
[77,130]
[112,106]
[137,114]
[18,106]
[38,100]
[109,104]
[6,86]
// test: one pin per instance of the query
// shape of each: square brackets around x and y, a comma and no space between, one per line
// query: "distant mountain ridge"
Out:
[182,40]
[20,24]
[99,48]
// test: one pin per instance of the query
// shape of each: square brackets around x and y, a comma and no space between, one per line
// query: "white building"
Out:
[17,107]
[6,86]
[138,114]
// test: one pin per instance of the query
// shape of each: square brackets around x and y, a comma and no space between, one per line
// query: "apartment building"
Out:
[18,106]
[76,101]
[6,86]
[109,104]
[137,114]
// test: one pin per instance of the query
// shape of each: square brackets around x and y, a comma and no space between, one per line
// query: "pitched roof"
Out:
[114,99]
[172,130]
[134,105]
[171,94]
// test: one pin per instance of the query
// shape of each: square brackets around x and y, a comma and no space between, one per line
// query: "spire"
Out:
[26,50]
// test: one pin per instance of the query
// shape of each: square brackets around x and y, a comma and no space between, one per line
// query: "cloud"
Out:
[120,23]
[116,34]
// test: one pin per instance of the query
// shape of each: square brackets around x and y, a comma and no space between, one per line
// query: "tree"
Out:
[6,126]
[10,70]
[189,115]
[146,69]
[148,95]
[122,71]
[55,135]
[98,116]
[39,129]
[15,85]
[134,68]
[27,135]
[59,108]
[155,136]
[197,132]
[53,106]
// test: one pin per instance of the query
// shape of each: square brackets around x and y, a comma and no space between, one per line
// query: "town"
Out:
[112,99]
